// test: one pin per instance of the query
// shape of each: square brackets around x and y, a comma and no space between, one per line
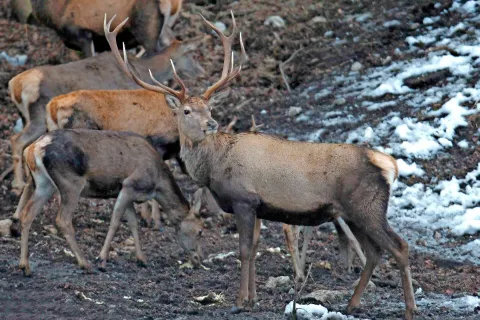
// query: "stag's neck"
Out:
[201,158]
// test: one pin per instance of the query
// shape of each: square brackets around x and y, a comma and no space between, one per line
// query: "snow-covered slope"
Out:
[453,53]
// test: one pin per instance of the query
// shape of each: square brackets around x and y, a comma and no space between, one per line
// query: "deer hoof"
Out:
[236,310]
[102,266]
[142,263]
[26,269]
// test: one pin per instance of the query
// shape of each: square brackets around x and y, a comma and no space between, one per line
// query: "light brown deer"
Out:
[102,164]
[258,176]
[33,89]
[79,22]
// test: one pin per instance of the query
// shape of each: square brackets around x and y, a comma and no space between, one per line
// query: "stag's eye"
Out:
[186,112]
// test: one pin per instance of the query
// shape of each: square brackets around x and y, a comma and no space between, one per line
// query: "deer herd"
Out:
[103,126]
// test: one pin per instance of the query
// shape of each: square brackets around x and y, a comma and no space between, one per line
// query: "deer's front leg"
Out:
[245,217]
[252,291]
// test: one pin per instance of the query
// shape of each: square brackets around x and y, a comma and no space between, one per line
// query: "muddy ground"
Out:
[59,290]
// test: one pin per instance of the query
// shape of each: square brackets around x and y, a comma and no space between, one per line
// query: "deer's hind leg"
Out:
[133,225]
[70,188]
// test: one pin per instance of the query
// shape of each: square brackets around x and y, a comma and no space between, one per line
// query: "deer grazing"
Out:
[33,89]
[259,176]
[79,22]
[102,164]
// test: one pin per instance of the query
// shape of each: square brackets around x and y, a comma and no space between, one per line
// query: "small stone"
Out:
[208,223]
[293,111]
[319,19]
[220,25]
[278,282]
[328,34]
[437,235]
[370,286]
[324,296]
[340,101]
[5,227]
[275,21]
[129,242]
[357,66]
[50,229]
[414,26]
[291,291]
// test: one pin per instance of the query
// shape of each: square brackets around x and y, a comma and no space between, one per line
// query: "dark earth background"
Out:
[59,290]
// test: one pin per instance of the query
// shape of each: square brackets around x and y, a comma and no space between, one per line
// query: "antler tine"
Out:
[255,127]
[228,69]
[124,64]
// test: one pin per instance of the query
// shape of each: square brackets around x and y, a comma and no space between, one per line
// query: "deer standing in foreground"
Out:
[79,22]
[33,89]
[258,176]
[102,164]
[348,242]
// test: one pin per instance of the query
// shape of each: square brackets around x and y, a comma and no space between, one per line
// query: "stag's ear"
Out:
[219,97]
[192,44]
[172,102]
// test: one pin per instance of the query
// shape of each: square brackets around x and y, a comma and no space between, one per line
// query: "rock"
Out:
[129,242]
[324,296]
[291,291]
[427,80]
[278,282]
[340,101]
[17,60]
[275,21]
[357,66]
[18,126]
[5,227]
[293,111]
[211,297]
[328,34]
[370,286]
[414,26]
[319,19]
[208,223]
[50,229]
[220,25]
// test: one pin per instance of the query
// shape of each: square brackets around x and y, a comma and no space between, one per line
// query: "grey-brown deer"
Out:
[102,164]
[79,22]
[33,89]
[258,176]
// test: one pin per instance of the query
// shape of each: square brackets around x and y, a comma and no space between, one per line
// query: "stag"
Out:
[259,176]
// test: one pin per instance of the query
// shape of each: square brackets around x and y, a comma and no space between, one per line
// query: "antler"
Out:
[255,127]
[112,41]
[228,72]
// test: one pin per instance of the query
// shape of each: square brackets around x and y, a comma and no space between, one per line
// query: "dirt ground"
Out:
[59,290]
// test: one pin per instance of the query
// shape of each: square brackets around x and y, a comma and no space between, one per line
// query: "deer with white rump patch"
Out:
[33,89]
[102,164]
[258,176]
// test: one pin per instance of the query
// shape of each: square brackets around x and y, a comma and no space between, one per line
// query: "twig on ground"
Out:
[282,65]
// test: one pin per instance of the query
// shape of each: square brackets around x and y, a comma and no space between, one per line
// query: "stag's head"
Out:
[194,115]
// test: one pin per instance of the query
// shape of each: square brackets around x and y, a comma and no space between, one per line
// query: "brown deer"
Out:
[259,176]
[102,164]
[79,22]
[33,89]
[348,242]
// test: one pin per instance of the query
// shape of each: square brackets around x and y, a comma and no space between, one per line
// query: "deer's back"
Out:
[103,158]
